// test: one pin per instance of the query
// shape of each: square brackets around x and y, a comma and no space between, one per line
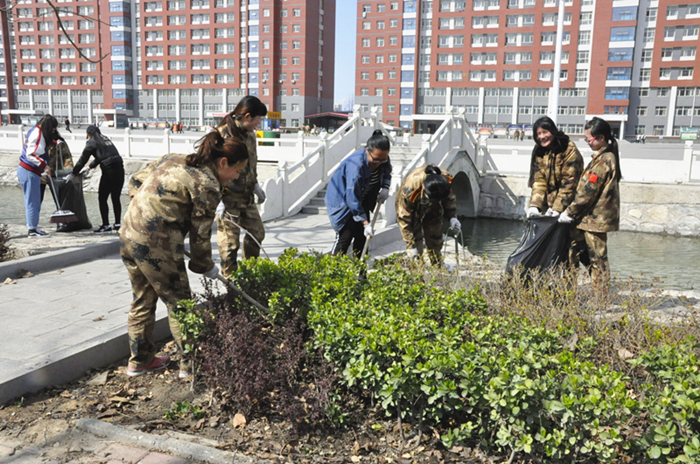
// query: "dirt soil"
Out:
[43,420]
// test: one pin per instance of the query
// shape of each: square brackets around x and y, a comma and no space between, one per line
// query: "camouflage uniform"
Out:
[175,200]
[139,177]
[556,179]
[419,217]
[596,211]
[240,203]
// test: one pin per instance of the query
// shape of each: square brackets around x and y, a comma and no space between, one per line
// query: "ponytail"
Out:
[248,105]
[378,141]
[214,146]
[599,127]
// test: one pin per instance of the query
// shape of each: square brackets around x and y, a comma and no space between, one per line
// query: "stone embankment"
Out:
[672,209]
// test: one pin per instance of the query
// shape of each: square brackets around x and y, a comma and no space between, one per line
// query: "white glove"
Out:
[412,253]
[455,224]
[68,177]
[213,272]
[565,218]
[368,230]
[260,193]
[552,213]
[532,212]
[220,210]
[84,170]
[383,195]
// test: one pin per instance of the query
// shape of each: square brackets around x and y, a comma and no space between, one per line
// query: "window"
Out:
[622,54]
[296,12]
[642,111]
[619,74]
[584,37]
[644,74]
[619,34]
[651,14]
[617,93]
[660,111]
[624,13]
[649,34]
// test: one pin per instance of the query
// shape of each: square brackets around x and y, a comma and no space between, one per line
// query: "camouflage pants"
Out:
[591,249]
[229,241]
[154,274]
[430,229]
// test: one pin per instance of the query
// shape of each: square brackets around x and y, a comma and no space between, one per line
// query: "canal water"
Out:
[674,260]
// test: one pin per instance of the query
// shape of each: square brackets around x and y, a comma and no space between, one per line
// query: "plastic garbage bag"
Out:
[544,244]
[70,197]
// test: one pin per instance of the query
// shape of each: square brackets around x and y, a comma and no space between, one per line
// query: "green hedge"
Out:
[436,358]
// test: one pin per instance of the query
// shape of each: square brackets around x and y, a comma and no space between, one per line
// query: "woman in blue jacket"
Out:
[361,180]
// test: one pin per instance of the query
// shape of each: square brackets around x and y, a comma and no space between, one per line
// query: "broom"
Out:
[60,216]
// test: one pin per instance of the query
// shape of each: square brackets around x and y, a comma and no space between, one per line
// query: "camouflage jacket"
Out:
[139,177]
[175,200]
[60,158]
[412,205]
[238,193]
[556,178]
[596,207]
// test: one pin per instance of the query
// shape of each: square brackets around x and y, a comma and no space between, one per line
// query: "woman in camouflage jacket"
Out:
[596,207]
[178,198]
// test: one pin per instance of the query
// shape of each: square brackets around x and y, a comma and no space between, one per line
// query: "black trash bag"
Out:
[544,244]
[70,197]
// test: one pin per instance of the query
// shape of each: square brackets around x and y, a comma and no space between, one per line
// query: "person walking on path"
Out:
[67,123]
[238,209]
[33,163]
[361,180]
[596,208]
[424,198]
[112,180]
[178,198]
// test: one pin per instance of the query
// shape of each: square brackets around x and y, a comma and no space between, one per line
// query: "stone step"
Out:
[308,209]
[317,201]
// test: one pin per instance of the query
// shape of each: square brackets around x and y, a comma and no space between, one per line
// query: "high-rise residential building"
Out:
[170,60]
[632,62]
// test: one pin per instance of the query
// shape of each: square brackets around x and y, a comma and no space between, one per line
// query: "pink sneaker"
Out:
[158,363]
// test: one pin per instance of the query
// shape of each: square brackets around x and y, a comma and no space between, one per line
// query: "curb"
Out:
[71,363]
[58,259]
[180,448]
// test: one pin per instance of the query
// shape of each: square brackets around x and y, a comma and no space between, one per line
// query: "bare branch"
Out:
[56,11]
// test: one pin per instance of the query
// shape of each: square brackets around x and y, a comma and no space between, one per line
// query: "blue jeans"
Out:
[31,185]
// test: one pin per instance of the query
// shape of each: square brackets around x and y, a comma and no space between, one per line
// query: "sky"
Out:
[345,38]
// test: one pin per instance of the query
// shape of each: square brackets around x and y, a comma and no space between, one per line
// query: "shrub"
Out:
[6,253]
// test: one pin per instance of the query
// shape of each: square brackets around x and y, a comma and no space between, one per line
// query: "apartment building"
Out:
[170,60]
[632,62]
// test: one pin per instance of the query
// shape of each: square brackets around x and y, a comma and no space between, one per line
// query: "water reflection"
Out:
[674,260]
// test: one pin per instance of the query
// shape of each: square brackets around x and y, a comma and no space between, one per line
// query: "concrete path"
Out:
[66,319]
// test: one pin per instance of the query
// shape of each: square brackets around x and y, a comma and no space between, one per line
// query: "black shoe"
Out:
[103,228]
[36,233]
[116,227]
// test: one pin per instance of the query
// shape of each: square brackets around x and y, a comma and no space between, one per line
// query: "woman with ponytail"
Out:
[112,179]
[238,201]
[424,198]
[177,197]
[596,208]
[361,180]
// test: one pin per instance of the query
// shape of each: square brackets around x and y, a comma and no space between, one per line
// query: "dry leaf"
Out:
[214,421]
[238,421]
[119,399]
[23,274]
[99,379]
[625,354]
[199,424]
[9,281]
[108,413]
[355,458]
[97,319]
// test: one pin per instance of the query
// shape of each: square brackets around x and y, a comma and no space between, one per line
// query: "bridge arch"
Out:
[465,185]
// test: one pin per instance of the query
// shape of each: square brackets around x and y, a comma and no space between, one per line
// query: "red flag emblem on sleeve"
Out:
[593,178]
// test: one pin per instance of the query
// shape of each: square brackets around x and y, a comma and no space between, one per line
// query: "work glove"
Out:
[552,213]
[565,218]
[68,177]
[412,253]
[260,193]
[213,272]
[368,230]
[220,210]
[383,195]
[533,212]
[84,170]
[455,225]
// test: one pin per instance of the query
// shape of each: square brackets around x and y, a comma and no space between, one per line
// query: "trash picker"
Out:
[374,221]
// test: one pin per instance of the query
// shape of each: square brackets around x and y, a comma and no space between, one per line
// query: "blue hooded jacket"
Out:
[348,184]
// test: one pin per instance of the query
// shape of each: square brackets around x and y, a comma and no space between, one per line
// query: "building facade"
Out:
[632,62]
[170,60]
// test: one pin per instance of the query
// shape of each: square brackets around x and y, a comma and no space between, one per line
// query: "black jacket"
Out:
[105,154]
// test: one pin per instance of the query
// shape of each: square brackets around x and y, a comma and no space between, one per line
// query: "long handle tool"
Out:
[60,216]
[374,221]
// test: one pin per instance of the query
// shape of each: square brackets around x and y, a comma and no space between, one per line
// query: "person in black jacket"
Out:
[112,181]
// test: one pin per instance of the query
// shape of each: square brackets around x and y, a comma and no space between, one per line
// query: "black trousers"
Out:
[353,232]
[111,184]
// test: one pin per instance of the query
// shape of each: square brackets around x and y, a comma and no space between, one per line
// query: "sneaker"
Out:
[116,227]
[36,233]
[158,363]
[184,374]
[103,228]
